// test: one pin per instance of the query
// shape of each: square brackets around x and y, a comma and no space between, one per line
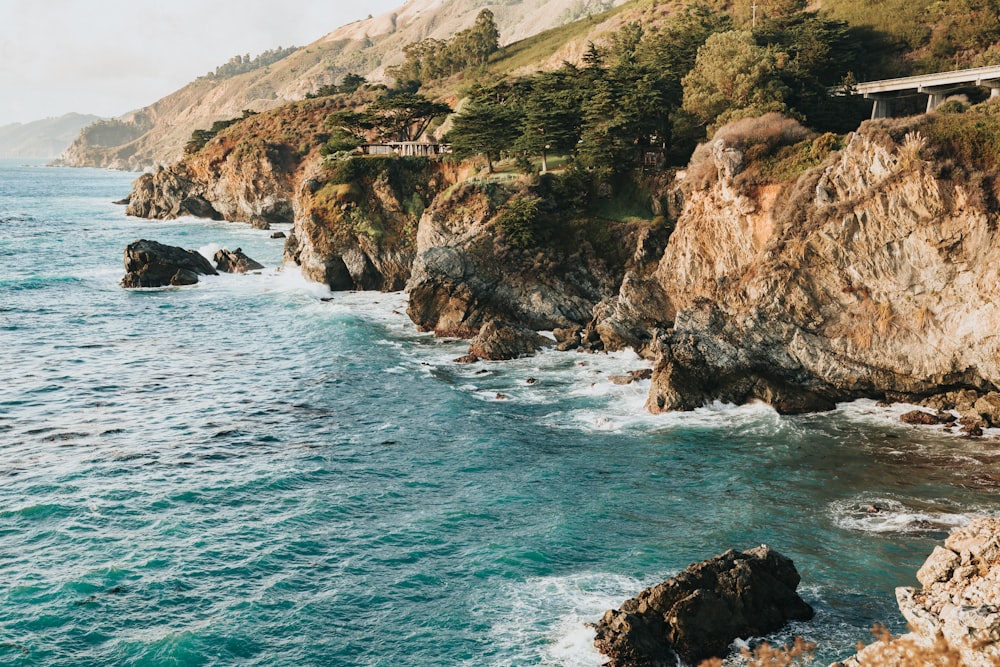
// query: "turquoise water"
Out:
[253,471]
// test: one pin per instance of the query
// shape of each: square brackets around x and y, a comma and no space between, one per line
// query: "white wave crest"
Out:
[881,514]
[544,620]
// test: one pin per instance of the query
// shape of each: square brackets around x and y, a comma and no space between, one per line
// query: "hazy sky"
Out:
[107,57]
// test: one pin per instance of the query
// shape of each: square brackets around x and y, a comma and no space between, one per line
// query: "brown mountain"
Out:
[157,133]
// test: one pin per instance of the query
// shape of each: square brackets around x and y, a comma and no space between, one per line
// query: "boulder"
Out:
[502,340]
[153,264]
[956,615]
[697,614]
[235,261]
[922,418]
[988,408]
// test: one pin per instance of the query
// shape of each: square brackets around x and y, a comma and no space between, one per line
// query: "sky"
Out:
[108,57]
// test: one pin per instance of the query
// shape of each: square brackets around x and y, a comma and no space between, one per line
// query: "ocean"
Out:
[256,471]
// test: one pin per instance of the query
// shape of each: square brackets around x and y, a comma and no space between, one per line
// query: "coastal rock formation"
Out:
[235,261]
[240,175]
[167,194]
[153,264]
[957,612]
[355,223]
[467,272]
[697,614]
[873,275]
[498,341]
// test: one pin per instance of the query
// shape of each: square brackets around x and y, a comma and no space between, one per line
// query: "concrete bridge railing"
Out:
[936,86]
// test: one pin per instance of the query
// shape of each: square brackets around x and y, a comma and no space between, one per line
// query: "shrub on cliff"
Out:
[970,139]
[518,221]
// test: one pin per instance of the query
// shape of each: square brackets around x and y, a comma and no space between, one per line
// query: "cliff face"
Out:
[355,223]
[873,275]
[470,268]
[245,174]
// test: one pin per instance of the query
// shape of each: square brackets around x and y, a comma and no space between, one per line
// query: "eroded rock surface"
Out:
[235,261]
[697,614]
[153,264]
[870,276]
[498,341]
[956,614]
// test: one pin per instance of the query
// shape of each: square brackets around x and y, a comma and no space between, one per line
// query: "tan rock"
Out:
[939,566]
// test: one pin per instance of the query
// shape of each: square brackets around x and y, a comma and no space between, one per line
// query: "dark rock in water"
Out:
[153,264]
[922,418]
[502,340]
[633,376]
[235,262]
[972,425]
[278,235]
[467,359]
[123,202]
[184,277]
[697,614]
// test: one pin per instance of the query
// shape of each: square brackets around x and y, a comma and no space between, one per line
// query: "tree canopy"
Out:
[434,58]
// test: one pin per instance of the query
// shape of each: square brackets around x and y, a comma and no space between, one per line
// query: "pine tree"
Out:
[485,128]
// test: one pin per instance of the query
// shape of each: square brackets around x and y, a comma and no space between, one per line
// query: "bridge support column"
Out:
[934,98]
[880,108]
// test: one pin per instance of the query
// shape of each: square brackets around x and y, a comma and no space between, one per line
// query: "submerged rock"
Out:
[956,615]
[697,614]
[499,341]
[923,418]
[153,264]
[235,261]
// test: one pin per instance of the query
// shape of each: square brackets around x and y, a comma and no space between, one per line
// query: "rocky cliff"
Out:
[802,271]
[489,252]
[954,618]
[874,274]
[248,174]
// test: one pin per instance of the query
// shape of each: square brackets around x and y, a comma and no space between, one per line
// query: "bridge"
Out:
[937,87]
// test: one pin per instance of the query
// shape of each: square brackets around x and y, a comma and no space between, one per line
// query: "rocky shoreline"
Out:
[694,617]
[870,275]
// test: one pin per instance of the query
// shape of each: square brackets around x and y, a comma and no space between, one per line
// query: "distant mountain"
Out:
[156,134]
[43,139]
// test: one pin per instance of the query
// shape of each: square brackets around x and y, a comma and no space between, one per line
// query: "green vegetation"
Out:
[518,221]
[111,132]
[241,64]
[485,127]
[199,138]
[433,58]
[970,140]
[350,83]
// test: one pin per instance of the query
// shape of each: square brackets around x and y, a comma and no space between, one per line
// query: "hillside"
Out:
[45,138]
[157,133]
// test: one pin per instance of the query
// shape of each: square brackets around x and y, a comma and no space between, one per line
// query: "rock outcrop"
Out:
[697,614]
[242,175]
[498,341]
[153,264]
[872,275]
[235,261]
[355,223]
[956,614]
[467,272]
